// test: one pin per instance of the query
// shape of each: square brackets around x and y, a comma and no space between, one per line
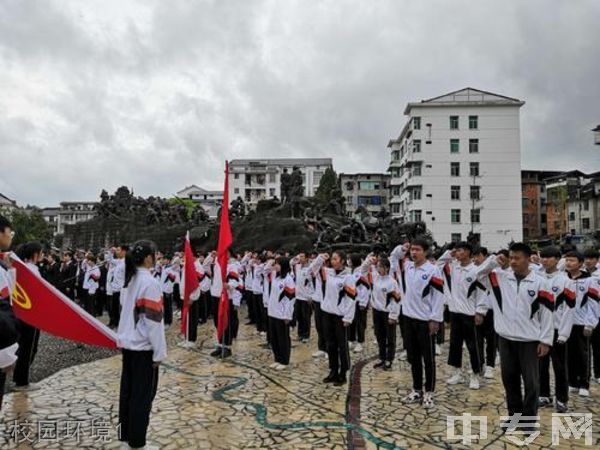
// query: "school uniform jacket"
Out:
[363,280]
[91,282]
[235,285]
[10,335]
[522,311]
[304,282]
[168,278]
[463,290]
[565,302]
[282,297]
[340,292]
[141,326]
[422,288]
[386,295]
[587,290]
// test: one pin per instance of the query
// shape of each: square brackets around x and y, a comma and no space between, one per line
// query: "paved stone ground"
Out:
[241,403]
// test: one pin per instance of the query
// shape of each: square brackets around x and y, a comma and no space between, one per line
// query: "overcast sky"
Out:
[157,94]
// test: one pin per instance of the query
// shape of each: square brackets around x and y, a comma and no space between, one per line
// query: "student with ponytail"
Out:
[141,337]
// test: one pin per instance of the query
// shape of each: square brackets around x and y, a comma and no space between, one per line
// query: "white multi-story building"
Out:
[457,166]
[209,200]
[260,179]
[74,212]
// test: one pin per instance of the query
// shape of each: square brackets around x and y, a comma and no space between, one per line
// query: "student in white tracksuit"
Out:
[281,310]
[141,338]
[363,282]
[385,300]
[423,310]
[564,311]
[522,303]
[338,307]
[304,292]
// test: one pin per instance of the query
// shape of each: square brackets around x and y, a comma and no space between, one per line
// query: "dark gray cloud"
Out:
[156,95]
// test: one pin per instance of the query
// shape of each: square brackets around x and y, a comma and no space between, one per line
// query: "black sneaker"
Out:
[378,364]
[544,402]
[216,352]
[330,378]
[225,353]
[340,380]
[561,408]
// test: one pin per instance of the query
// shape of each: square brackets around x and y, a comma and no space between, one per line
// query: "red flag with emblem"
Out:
[191,283]
[225,241]
[39,304]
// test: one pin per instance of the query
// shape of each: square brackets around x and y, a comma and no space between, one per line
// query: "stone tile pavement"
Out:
[241,403]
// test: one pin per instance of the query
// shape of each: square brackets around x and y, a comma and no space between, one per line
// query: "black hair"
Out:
[591,253]
[28,250]
[68,253]
[356,260]
[522,248]
[284,263]
[550,252]
[422,242]
[465,246]
[503,252]
[125,246]
[4,224]
[574,254]
[136,256]
[342,255]
[483,251]
[385,262]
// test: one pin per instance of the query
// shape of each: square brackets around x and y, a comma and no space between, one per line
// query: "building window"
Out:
[473,122]
[454,122]
[455,237]
[272,178]
[586,205]
[271,192]
[525,218]
[368,185]
[416,215]
[395,208]
[455,215]
[395,190]
[475,216]
[454,192]
[416,171]
[525,202]
[571,216]
[317,177]
[473,145]
[585,223]
[416,193]
[417,146]
[454,145]
[475,191]
[455,169]
[236,175]
[474,169]
[236,190]
[416,123]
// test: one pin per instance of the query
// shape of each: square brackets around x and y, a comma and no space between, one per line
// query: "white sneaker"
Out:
[351,345]
[438,350]
[474,382]
[358,348]
[456,378]
[403,355]
[318,354]
[488,373]
[598,380]
[27,388]
[263,333]
[274,365]
[280,367]
[584,393]
[413,397]
[428,400]
[573,389]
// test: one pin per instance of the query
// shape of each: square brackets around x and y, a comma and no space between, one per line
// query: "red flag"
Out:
[191,283]
[225,241]
[41,305]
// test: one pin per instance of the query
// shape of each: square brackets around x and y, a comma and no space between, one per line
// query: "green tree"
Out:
[29,225]
[328,186]
[187,202]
